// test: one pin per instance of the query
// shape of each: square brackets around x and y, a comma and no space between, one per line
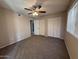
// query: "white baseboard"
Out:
[12,43]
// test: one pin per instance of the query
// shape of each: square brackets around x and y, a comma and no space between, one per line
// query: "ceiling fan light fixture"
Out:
[35,14]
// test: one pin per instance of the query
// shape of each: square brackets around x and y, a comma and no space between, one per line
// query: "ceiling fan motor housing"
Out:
[37,6]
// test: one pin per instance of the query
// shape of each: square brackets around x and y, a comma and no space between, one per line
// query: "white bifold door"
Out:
[49,27]
[36,27]
[39,27]
[55,27]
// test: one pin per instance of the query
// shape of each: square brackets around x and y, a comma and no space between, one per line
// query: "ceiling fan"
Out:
[34,11]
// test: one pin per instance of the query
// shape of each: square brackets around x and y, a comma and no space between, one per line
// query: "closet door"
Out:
[42,27]
[36,27]
[54,27]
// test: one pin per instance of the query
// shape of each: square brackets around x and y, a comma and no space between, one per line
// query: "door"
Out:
[36,27]
[54,27]
[32,26]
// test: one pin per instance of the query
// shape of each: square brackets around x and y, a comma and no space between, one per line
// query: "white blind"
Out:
[72,23]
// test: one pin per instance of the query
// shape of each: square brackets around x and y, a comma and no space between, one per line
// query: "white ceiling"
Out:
[51,6]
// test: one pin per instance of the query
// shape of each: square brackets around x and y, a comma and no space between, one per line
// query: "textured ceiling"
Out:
[51,6]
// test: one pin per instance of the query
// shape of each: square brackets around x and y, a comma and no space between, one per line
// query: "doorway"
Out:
[32,26]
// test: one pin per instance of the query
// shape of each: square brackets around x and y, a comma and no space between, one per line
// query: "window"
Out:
[72,23]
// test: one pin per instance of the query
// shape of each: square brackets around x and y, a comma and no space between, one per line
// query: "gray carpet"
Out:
[36,47]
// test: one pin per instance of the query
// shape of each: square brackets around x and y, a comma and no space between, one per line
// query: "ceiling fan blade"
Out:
[42,11]
[27,9]
[29,13]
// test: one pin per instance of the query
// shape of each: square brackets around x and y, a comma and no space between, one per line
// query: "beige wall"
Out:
[71,42]
[53,25]
[13,28]
[72,45]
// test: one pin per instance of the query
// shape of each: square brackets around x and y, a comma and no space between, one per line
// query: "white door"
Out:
[54,27]
[42,27]
[36,27]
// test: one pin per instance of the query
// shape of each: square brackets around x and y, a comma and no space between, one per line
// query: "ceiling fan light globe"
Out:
[35,14]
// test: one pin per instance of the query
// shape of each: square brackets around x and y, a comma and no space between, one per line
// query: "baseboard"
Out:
[12,43]
[67,49]
[8,44]
[51,37]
